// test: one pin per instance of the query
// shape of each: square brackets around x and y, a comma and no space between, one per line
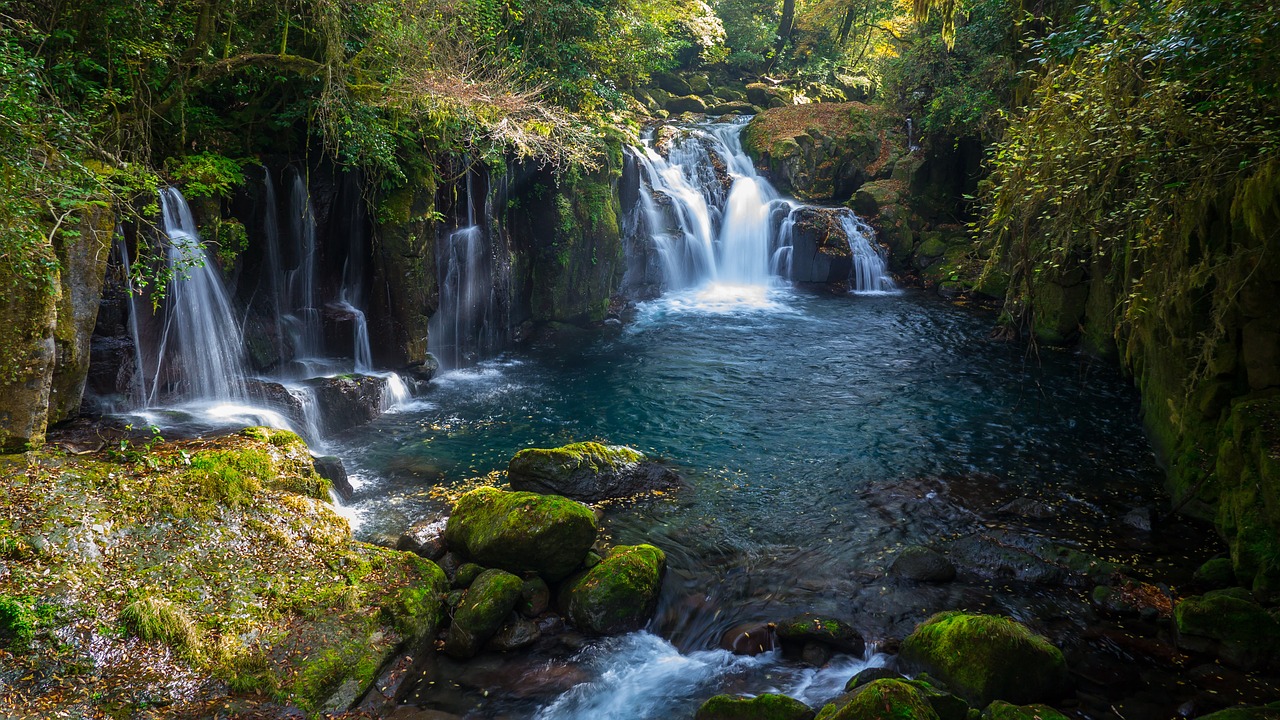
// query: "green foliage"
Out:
[1145,116]
[207,174]
[17,623]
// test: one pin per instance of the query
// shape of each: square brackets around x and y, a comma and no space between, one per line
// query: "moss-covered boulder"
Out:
[762,707]
[1269,712]
[819,151]
[482,612]
[619,594]
[794,632]
[1227,624]
[1216,573]
[881,700]
[1000,710]
[522,531]
[588,471]
[404,262]
[984,658]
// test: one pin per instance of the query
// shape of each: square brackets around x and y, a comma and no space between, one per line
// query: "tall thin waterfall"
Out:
[303,321]
[469,322]
[200,343]
[713,219]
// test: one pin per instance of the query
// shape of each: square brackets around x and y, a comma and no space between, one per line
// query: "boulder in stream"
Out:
[1228,624]
[768,706]
[1000,710]
[921,564]
[618,595]
[588,471]
[522,531]
[482,612]
[884,699]
[984,658]
[795,632]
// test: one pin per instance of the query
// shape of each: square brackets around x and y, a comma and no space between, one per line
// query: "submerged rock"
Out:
[796,631]
[517,633]
[519,531]
[749,639]
[482,612]
[762,707]
[984,658]
[618,595]
[330,468]
[922,564]
[588,471]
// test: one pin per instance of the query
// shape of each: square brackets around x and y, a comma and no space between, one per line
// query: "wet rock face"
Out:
[819,247]
[83,261]
[588,471]
[619,594]
[921,564]
[984,658]
[799,632]
[521,531]
[348,401]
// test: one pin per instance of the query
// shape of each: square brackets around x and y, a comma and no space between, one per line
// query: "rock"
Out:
[330,468]
[404,262]
[1216,573]
[869,675]
[588,471]
[921,564]
[820,245]
[517,633]
[673,84]
[874,195]
[275,396]
[749,639]
[522,531]
[687,103]
[82,259]
[762,707]
[348,400]
[881,700]
[1132,599]
[818,151]
[1024,507]
[1000,710]
[619,594]
[28,320]
[466,574]
[1138,519]
[481,613]
[946,705]
[984,658]
[794,632]
[535,597]
[732,107]
[424,538]
[815,654]
[1228,625]
[699,85]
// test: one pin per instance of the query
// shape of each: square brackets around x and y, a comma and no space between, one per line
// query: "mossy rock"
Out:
[1232,627]
[482,612]
[983,658]
[618,595]
[762,707]
[522,531]
[466,574]
[1216,573]
[1000,710]
[838,634]
[589,471]
[881,700]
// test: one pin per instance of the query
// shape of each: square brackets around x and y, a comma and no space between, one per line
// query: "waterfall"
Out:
[870,272]
[714,221]
[302,322]
[469,324]
[200,346]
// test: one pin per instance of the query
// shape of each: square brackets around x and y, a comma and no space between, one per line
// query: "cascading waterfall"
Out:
[870,272]
[200,343]
[714,220]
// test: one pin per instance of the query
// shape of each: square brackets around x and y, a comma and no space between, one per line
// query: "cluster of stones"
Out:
[521,563]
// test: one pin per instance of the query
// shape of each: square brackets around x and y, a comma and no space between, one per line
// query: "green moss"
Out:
[999,710]
[520,531]
[883,700]
[482,611]
[17,623]
[984,658]
[159,620]
[1245,633]
[320,676]
[617,595]
[762,707]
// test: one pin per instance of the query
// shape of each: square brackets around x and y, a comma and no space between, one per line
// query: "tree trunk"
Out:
[847,25]
[786,24]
